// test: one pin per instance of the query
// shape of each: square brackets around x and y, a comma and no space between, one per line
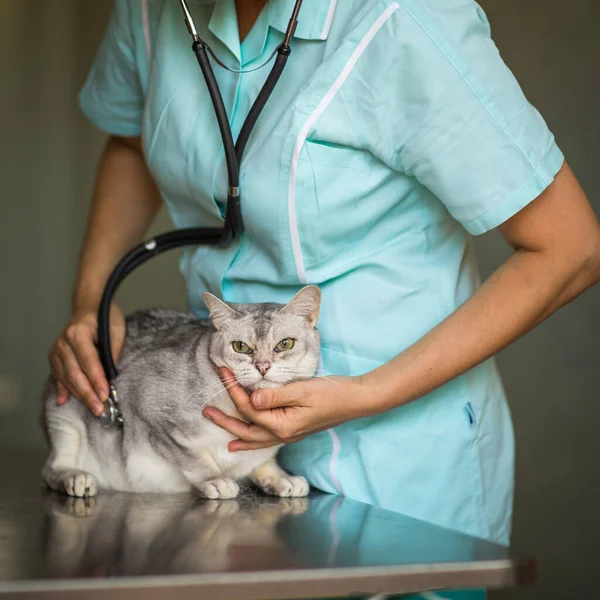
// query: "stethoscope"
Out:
[233,226]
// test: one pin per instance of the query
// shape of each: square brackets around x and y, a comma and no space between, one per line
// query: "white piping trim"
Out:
[333,90]
[146,26]
[329,19]
[337,446]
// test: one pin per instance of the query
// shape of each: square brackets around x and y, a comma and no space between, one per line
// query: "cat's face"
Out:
[267,345]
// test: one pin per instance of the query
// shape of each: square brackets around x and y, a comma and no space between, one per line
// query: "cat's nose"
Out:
[263,367]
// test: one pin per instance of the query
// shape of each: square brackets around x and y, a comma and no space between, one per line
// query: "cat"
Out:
[168,374]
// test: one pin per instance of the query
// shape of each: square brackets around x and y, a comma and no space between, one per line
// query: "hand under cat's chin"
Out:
[257,384]
[265,384]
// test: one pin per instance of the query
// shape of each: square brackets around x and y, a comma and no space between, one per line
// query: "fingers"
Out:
[236,392]
[82,346]
[241,446]
[69,374]
[290,395]
[75,362]
[78,383]
[245,431]
[251,437]
[273,421]
[62,393]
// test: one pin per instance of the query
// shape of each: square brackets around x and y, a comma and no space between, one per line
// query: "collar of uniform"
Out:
[314,19]
[223,24]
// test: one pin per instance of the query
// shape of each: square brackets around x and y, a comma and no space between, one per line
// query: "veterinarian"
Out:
[394,135]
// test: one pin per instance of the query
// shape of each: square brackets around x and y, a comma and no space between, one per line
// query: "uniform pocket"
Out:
[327,154]
[342,196]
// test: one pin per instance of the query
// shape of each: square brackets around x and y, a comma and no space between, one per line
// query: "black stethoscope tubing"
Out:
[213,236]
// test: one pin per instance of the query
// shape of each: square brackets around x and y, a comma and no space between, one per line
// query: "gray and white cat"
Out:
[168,374]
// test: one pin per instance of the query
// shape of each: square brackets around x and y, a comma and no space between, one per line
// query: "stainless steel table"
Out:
[255,548]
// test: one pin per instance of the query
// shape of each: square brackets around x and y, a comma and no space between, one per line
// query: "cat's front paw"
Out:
[80,484]
[219,489]
[285,487]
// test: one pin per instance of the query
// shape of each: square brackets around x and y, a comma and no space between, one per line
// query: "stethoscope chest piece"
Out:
[112,415]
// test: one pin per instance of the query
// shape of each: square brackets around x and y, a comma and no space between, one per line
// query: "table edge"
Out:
[273,585]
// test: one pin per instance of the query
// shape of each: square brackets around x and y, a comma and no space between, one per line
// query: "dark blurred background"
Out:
[48,153]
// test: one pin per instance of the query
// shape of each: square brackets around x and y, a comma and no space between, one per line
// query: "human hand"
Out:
[75,362]
[290,413]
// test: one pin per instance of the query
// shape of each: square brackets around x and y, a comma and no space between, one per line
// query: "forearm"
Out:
[527,289]
[556,239]
[124,204]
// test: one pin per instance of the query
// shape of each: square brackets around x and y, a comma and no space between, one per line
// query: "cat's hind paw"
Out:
[285,487]
[219,489]
[80,484]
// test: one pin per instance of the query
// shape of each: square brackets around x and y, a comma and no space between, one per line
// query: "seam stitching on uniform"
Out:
[470,86]
[545,181]
[146,26]
[325,101]
[482,510]
[479,509]
[159,122]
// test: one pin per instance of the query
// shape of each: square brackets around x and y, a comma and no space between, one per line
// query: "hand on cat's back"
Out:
[292,412]
[74,360]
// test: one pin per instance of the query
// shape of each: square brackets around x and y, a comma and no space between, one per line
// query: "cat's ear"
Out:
[306,303]
[220,312]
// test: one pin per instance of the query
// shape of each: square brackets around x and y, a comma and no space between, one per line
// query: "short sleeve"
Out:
[112,96]
[469,134]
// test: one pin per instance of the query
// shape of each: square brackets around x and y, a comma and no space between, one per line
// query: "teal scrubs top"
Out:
[395,134]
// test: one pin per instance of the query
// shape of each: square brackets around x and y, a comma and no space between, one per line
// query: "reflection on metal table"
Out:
[253,548]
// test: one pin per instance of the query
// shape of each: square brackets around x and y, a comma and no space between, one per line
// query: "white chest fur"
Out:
[149,472]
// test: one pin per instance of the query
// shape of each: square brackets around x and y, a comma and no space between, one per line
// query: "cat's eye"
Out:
[242,347]
[284,345]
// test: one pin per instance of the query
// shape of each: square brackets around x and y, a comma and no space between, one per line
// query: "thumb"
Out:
[117,346]
[117,331]
[117,341]
[273,398]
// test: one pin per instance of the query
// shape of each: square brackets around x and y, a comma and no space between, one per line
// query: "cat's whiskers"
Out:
[202,394]
[225,388]
[296,373]
[209,388]
[220,382]
[327,379]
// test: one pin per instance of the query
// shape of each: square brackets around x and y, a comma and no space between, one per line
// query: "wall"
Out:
[47,158]
[48,153]
[551,375]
